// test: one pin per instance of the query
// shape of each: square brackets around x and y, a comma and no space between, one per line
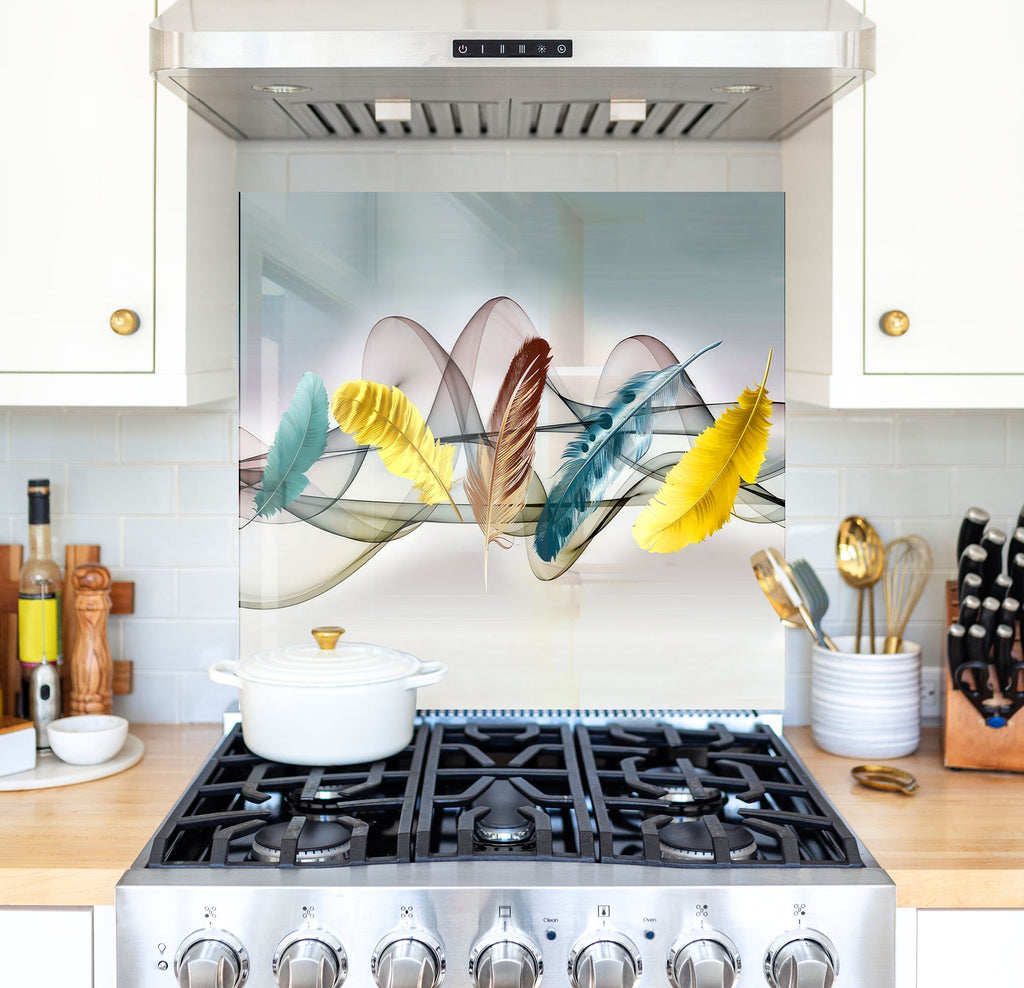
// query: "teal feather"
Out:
[617,439]
[298,443]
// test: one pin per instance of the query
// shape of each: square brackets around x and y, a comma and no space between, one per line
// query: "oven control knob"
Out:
[610,960]
[211,959]
[801,959]
[310,959]
[707,960]
[408,960]
[506,961]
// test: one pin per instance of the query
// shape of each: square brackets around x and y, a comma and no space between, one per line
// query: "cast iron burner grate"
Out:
[500,788]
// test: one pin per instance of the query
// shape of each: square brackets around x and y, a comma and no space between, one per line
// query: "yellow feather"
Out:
[698,494]
[376,415]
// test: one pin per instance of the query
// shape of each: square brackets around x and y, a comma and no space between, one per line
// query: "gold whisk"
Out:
[908,564]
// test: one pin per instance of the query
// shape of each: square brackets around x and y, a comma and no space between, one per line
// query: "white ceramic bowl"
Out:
[88,739]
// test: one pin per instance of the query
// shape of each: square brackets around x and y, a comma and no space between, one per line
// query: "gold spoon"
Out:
[786,600]
[860,559]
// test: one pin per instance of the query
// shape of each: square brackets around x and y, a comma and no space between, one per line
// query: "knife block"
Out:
[967,741]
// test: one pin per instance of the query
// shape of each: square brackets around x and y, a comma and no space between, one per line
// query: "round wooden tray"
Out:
[50,771]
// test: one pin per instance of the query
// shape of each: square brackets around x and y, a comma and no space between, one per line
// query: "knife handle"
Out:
[955,650]
[993,542]
[1001,587]
[970,608]
[1017,576]
[972,560]
[1009,612]
[973,524]
[1004,644]
[977,661]
[1016,545]
[989,618]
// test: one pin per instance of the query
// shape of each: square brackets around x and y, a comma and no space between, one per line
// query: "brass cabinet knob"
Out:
[124,322]
[895,323]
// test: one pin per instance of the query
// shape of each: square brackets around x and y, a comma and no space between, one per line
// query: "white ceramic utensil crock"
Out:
[328,703]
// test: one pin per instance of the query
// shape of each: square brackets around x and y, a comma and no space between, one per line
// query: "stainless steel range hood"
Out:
[497,69]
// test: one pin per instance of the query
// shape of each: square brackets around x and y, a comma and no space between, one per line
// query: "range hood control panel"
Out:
[515,48]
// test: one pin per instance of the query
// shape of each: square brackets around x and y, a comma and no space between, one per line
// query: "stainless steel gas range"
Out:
[500,849]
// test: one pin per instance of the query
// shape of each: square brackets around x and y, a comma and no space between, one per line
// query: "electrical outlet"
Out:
[931,694]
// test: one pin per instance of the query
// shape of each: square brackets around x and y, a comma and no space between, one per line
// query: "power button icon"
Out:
[463,49]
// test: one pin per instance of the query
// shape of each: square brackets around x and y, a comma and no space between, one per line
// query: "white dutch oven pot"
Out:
[327,704]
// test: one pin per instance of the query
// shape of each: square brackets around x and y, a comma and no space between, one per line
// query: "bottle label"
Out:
[39,629]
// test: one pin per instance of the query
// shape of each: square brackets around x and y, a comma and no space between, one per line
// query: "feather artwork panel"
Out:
[614,441]
[298,443]
[697,497]
[376,415]
[497,480]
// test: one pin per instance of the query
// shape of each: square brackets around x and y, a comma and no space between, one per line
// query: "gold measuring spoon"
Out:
[860,559]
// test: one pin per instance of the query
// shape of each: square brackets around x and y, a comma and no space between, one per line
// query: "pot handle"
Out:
[430,673]
[224,672]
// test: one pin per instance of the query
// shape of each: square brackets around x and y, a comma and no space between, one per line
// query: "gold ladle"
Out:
[860,559]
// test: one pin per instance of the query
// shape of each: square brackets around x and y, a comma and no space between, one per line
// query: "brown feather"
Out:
[496,483]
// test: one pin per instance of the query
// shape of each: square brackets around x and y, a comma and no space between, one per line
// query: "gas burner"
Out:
[502,824]
[319,843]
[682,802]
[326,803]
[691,841]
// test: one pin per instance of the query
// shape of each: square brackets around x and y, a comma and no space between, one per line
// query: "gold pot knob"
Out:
[895,323]
[124,322]
[327,637]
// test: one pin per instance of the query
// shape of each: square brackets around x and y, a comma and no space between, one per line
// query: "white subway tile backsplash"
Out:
[101,530]
[156,592]
[811,492]
[175,437]
[971,440]
[14,478]
[999,490]
[122,490]
[209,490]
[81,436]
[209,593]
[896,492]
[565,171]
[644,172]
[355,172]
[179,645]
[179,542]
[154,699]
[823,440]
[203,701]
[465,172]
[1015,439]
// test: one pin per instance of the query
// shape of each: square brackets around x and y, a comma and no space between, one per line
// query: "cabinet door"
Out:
[944,204]
[76,196]
[43,946]
[968,947]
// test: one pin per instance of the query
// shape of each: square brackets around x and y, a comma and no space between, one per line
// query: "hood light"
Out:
[281,90]
[741,89]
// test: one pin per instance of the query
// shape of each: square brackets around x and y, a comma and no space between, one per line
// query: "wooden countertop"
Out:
[958,843]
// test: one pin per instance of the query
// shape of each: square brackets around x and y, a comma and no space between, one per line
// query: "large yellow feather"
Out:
[698,494]
[376,415]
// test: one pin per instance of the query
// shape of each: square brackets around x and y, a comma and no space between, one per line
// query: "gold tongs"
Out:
[885,777]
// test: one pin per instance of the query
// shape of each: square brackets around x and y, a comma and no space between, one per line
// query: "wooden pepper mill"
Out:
[92,670]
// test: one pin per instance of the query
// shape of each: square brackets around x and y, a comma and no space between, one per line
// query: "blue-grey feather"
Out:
[298,443]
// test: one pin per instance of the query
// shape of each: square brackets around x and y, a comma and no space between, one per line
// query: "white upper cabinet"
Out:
[98,217]
[908,200]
